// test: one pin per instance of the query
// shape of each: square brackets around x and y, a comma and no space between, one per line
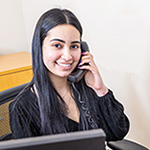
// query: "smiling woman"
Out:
[61,50]
[50,104]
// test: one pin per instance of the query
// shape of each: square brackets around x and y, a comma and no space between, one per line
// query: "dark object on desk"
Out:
[5,98]
[81,140]
[125,145]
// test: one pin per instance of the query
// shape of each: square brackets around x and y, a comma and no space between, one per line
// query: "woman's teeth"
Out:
[64,65]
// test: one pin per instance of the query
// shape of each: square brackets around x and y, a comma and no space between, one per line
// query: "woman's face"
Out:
[61,50]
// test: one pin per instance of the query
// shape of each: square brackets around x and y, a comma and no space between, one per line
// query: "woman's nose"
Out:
[67,54]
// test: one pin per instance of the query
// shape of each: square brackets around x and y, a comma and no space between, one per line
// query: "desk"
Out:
[15,69]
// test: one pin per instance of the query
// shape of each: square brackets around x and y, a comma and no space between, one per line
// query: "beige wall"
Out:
[118,33]
[12,27]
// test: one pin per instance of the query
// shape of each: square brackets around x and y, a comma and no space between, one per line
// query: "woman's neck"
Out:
[61,84]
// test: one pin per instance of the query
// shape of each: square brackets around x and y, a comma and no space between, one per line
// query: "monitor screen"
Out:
[81,140]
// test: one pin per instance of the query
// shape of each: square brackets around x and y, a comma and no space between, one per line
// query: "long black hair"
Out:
[51,110]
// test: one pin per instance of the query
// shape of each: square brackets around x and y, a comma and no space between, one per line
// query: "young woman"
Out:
[50,104]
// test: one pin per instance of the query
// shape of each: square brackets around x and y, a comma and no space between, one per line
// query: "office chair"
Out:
[125,145]
[5,98]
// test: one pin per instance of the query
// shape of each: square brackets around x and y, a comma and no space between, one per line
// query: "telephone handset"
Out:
[78,74]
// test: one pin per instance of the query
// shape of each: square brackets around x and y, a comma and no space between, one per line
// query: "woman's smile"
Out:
[64,66]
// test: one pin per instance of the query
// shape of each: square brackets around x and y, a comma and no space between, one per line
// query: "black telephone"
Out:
[77,74]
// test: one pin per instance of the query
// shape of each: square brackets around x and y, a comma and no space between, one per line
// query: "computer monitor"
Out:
[81,140]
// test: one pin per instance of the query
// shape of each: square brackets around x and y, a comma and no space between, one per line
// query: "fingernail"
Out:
[83,52]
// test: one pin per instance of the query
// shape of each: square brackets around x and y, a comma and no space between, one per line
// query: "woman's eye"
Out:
[74,46]
[57,45]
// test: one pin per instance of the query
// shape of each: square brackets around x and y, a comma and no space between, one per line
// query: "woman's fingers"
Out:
[86,58]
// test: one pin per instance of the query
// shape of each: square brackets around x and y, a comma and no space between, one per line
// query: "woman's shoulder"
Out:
[25,99]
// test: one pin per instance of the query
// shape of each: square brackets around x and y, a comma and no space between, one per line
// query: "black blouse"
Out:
[25,116]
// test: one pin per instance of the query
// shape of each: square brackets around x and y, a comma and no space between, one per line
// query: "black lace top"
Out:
[25,116]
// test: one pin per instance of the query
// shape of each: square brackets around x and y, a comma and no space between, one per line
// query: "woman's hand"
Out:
[92,77]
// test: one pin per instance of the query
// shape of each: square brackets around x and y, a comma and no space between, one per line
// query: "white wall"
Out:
[118,33]
[12,28]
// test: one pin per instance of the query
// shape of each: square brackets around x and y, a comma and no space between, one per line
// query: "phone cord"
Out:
[85,108]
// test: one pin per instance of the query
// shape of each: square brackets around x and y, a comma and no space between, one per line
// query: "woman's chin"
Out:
[64,75]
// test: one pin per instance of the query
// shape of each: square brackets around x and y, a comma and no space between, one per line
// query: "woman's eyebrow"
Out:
[57,40]
[64,41]
[75,42]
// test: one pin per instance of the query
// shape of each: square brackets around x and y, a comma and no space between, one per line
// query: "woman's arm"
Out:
[92,77]
[112,118]
[17,122]
[24,118]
